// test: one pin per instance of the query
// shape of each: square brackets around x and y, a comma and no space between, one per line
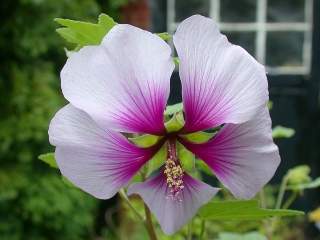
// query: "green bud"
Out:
[298,175]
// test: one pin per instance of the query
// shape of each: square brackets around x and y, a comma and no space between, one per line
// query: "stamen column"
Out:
[173,170]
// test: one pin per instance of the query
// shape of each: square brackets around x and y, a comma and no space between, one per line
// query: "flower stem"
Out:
[273,222]
[149,224]
[290,200]
[281,192]
[262,199]
[127,201]
[189,231]
[202,230]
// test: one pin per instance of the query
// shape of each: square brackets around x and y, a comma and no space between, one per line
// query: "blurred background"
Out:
[34,202]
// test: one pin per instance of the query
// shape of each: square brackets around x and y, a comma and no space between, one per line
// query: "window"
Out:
[277,33]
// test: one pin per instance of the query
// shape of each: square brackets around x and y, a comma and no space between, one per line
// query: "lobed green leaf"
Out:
[85,33]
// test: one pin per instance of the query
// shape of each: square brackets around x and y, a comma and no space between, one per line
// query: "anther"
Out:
[173,172]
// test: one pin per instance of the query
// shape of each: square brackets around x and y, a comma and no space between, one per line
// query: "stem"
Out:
[262,199]
[149,224]
[273,222]
[189,237]
[148,220]
[126,200]
[290,200]
[281,192]
[202,229]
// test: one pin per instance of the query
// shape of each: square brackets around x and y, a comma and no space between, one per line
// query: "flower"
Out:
[314,216]
[122,86]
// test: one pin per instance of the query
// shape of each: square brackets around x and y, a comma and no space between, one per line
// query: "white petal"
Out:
[96,160]
[124,83]
[242,156]
[172,214]
[221,82]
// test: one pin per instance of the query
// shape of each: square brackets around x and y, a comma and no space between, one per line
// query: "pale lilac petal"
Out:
[96,160]
[221,82]
[243,156]
[173,214]
[124,83]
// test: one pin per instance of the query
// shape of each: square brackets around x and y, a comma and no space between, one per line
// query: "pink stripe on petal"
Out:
[173,214]
[124,83]
[243,156]
[99,161]
[221,82]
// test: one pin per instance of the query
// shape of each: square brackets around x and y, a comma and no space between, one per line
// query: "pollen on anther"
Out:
[174,174]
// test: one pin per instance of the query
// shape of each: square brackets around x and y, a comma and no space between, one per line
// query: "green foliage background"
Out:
[34,202]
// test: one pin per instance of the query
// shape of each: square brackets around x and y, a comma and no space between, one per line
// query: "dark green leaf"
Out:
[241,210]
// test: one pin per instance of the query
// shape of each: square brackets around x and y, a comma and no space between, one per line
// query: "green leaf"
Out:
[199,137]
[202,166]
[158,159]
[241,210]
[282,132]
[137,178]
[172,109]
[310,185]
[176,123]
[49,159]
[146,140]
[165,36]
[106,21]
[85,33]
[270,105]
[176,61]
[237,236]
[186,157]
[67,182]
